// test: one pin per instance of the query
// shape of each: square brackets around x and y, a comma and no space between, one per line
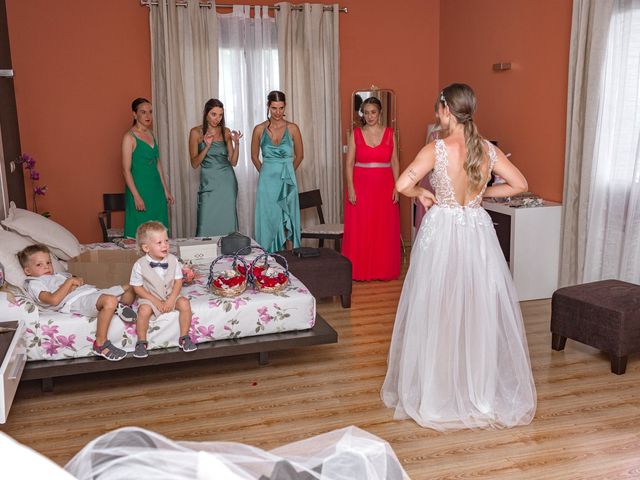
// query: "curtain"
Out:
[613,225]
[589,32]
[184,61]
[248,65]
[309,75]
[602,186]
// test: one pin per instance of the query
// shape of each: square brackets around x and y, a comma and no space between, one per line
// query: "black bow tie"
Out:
[164,265]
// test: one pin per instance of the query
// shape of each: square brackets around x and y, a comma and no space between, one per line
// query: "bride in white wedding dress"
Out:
[458,355]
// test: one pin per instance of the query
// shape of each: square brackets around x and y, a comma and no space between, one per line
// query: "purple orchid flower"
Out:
[205,331]
[263,315]
[66,342]
[49,331]
[28,161]
[50,347]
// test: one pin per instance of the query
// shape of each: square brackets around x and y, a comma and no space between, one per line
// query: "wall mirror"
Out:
[387,98]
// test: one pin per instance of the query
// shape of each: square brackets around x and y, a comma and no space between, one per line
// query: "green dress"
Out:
[218,192]
[144,170]
[277,216]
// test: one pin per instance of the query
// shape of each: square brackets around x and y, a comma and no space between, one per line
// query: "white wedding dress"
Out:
[458,355]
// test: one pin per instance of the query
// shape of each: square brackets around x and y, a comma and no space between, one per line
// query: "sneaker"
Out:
[141,349]
[109,351]
[186,344]
[126,313]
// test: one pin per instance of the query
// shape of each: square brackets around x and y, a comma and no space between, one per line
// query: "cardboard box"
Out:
[198,251]
[104,268]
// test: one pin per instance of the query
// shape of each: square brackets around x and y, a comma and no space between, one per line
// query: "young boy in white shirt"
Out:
[65,293]
[156,279]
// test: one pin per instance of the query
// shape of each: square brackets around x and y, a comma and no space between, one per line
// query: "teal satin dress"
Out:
[277,216]
[217,194]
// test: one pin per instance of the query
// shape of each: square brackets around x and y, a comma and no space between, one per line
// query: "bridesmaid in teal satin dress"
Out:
[214,148]
[277,215]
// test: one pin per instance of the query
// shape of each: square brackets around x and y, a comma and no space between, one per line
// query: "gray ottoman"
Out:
[604,315]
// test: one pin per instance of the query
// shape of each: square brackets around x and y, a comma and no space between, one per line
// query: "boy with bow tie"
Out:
[156,279]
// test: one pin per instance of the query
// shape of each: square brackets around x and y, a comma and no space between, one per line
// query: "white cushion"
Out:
[324,229]
[10,244]
[42,230]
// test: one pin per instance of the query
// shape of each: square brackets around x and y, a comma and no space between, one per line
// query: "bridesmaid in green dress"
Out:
[277,217]
[214,148]
[146,195]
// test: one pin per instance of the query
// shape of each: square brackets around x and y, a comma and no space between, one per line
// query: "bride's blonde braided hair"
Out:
[461,101]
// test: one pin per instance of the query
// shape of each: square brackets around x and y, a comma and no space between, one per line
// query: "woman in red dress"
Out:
[371,214]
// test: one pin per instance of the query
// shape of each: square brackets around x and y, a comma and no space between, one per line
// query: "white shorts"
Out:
[86,304]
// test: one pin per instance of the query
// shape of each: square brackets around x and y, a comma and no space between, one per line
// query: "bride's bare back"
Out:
[461,193]
[456,154]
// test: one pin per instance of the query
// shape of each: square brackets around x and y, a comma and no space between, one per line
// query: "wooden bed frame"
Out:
[47,370]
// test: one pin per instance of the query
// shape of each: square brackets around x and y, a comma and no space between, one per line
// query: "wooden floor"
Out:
[587,424]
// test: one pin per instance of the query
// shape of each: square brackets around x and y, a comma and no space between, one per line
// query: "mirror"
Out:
[387,98]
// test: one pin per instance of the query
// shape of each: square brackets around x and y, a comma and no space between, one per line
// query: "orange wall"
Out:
[78,65]
[523,108]
[393,45]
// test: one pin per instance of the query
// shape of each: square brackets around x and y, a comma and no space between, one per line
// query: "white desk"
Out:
[530,240]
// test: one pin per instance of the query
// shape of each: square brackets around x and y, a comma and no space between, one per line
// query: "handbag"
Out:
[233,242]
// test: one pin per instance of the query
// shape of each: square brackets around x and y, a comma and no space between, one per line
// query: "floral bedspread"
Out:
[54,335]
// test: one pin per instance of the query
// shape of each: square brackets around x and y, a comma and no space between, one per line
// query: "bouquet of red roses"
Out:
[227,283]
[266,277]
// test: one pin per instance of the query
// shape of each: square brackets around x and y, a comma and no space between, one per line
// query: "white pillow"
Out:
[10,244]
[42,230]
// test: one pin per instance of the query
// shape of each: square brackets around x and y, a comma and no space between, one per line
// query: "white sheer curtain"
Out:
[309,70]
[184,58]
[248,63]
[613,223]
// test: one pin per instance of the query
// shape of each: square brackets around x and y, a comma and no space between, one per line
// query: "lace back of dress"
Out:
[445,195]
[440,179]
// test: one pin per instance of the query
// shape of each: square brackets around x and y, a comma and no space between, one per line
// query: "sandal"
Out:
[141,349]
[186,344]
[126,313]
[109,351]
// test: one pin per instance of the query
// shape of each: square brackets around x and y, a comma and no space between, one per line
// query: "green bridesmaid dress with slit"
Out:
[144,170]
[277,216]
[218,192]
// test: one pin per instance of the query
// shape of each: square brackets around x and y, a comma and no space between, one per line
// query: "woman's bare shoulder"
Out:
[293,127]
[258,129]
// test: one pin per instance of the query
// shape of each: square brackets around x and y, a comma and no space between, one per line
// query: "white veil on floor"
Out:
[131,452]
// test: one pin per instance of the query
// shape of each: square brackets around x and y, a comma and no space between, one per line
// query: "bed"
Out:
[59,336]
[59,344]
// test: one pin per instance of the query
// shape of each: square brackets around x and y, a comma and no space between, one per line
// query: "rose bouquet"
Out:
[188,274]
[266,277]
[230,282]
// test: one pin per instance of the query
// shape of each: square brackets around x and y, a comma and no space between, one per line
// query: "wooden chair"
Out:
[322,231]
[112,202]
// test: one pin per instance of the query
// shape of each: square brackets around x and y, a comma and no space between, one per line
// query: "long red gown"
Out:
[372,226]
